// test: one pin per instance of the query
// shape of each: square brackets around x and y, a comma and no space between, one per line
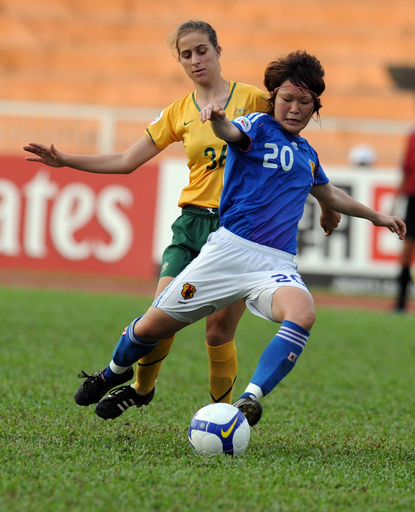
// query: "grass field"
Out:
[337,435]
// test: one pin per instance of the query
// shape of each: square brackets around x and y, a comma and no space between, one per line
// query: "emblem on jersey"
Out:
[164,266]
[244,123]
[188,291]
[239,112]
[313,168]
[294,145]
[157,118]
[125,331]
[292,357]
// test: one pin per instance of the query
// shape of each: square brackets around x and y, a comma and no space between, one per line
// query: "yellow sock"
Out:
[148,367]
[223,369]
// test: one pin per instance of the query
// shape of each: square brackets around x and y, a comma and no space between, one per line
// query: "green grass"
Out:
[337,434]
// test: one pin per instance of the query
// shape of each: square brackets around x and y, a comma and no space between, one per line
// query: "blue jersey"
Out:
[266,186]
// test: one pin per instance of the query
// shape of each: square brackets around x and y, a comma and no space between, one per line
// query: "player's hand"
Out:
[45,155]
[393,223]
[329,220]
[212,112]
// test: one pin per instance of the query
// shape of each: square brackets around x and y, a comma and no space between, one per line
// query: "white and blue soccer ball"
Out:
[219,428]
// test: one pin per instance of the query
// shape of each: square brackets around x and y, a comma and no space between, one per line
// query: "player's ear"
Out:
[218,52]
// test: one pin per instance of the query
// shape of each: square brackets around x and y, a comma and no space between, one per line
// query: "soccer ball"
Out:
[219,428]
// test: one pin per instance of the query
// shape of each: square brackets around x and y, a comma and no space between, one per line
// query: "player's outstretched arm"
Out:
[115,163]
[337,200]
[221,126]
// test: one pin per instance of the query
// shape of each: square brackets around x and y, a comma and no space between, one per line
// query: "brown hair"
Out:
[302,70]
[192,26]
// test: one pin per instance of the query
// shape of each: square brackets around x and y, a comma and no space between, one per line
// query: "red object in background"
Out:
[67,220]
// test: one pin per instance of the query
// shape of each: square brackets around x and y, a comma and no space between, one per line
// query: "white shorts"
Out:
[229,268]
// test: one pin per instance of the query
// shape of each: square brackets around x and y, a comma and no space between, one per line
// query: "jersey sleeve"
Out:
[249,126]
[162,130]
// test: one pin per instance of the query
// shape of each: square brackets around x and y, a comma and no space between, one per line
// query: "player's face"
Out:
[293,108]
[199,58]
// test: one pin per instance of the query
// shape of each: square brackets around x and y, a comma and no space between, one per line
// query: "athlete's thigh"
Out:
[156,325]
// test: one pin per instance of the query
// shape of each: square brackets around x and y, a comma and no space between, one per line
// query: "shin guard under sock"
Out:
[280,356]
[223,369]
[149,366]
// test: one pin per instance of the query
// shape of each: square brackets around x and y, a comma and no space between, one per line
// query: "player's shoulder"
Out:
[181,104]
[247,88]
[174,111]
[248,91]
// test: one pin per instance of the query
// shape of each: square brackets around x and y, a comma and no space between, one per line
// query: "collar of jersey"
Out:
[227,103]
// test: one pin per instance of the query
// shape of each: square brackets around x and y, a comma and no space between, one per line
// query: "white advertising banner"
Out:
[356,246]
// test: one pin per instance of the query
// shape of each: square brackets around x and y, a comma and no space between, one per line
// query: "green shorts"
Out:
[190,232]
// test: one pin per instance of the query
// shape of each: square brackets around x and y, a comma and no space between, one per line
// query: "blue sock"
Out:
[129,350]
[280,356]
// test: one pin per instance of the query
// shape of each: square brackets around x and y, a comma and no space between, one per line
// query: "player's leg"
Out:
[145,331]
[294,308]
[130,347]
[220,343]
[404,277]
[149,366]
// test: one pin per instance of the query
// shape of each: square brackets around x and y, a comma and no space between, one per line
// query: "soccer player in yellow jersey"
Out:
[198,51]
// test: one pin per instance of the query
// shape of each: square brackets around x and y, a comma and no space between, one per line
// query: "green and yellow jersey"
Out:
[206,153]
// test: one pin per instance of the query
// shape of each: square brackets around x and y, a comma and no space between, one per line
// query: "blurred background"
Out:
[90,76]
[67,56]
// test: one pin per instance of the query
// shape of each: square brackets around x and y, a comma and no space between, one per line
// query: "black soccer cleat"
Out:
[95,386]
[120,400]
[251,409]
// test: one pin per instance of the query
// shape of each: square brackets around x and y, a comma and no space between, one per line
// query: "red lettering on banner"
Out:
[62,219]
[383,196]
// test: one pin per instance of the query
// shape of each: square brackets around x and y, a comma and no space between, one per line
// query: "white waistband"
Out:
[225,233]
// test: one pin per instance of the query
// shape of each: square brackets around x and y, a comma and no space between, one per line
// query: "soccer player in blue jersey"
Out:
[269,172]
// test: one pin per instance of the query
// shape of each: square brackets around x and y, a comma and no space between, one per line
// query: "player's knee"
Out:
[219,330]
[304,316]
[309,317]
[219,333]
[216,337]
[144,330]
